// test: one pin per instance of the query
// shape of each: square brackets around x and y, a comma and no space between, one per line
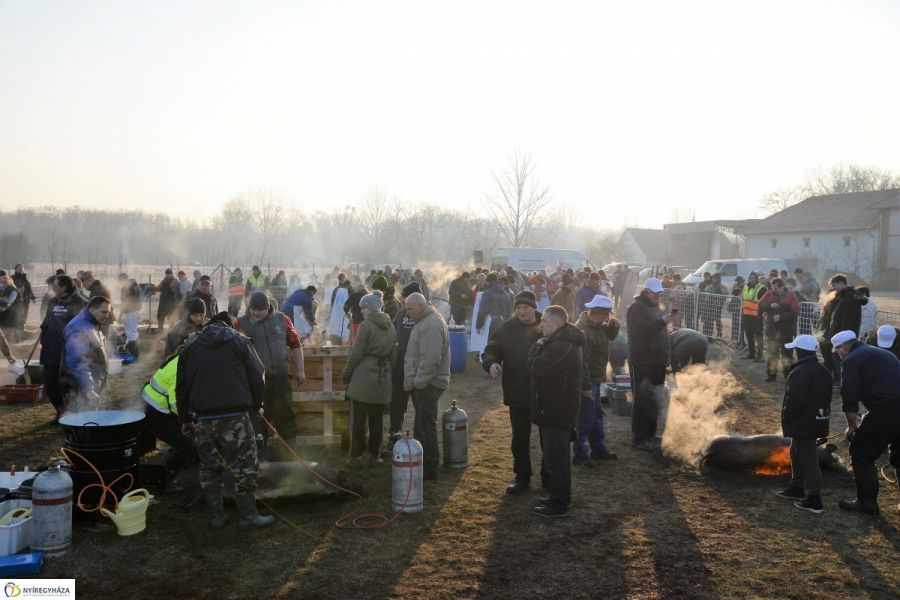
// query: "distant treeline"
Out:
[265,231]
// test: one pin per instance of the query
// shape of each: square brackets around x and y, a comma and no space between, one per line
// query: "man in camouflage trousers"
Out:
[219,382]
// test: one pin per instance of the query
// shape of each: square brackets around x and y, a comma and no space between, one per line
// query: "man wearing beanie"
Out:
[204,292]
[403,325]
[506,356]
[276,341]
[368,375]
[193,320]
[220,384]
[565,296]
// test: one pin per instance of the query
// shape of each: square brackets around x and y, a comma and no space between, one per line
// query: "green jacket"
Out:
[368,368]
[596,348]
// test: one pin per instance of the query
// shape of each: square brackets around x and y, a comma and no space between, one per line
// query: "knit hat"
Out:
[259,301]
[222,317]
[196,306]
[412,288]
[525,297]
[372,301]
[380,283]
[204,278]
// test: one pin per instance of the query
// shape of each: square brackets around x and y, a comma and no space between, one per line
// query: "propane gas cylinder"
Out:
[407,475]
[455,425]
[51,513]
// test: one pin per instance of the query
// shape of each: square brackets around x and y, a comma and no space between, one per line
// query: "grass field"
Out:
[642,526]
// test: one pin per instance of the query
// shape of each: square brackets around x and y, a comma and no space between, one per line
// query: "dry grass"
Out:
[640,527]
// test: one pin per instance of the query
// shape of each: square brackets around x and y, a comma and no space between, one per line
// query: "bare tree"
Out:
[520,200]
[373,213]
[839,179]
[780,199]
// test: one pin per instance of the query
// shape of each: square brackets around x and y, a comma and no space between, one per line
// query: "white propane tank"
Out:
[51,513]
[407,475]
[455,425]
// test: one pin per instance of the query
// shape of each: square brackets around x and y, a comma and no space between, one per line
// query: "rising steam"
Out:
[693,419]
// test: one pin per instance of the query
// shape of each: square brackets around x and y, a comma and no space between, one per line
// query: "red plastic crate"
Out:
[29,393]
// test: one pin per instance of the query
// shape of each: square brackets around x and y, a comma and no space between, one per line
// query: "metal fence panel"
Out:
[887,317]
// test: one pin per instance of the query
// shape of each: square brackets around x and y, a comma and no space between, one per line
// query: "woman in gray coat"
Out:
[368,373]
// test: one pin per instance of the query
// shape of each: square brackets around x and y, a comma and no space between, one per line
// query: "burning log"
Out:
[293,480]
[767,454]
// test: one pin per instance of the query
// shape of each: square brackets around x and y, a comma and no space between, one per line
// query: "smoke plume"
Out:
[693,418]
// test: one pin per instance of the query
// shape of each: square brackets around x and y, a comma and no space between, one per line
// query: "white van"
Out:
[729,268]
[529,260]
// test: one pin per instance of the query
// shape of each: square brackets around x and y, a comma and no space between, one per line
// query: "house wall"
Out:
[892,258]
[826,249]
[630,251]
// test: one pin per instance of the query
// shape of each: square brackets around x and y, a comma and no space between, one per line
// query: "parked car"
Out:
[729,268]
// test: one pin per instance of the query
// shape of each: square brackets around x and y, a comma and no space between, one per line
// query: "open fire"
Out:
[777,463]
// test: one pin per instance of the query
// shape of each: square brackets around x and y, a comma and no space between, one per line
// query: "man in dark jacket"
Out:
[496,303]
[20,278]
[219,383]
[587,292]
[780,309]
[506,356]
[168,289]
[403,324]
[204,292]
[599,330]
[872,376]
[805,416]
[62,308]
[556,373]
[842,312]
[351,308]
[648,356]
[689,347]
[460,298]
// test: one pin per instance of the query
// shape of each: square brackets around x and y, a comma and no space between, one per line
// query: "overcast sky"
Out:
[631,109]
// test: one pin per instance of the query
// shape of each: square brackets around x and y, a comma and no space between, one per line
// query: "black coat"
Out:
[508,347]
[556,366]
[806,408]
[842,312]
[460,292]
[59,312]
[872,376]
[648,336]
[495,302]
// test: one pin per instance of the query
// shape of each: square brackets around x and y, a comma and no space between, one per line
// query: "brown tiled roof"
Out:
[837,212]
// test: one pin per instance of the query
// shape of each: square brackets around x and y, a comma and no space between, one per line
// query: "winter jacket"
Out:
[304,301]
[596,348]
[273,339]
[872,376]
[685,345]
[212,305]
[556,378]
[842,312]
[391,304]
[352,305]
[566,299]
[24,287]
[98,289]
[60,311]
[403,326]
[460,292]
[427,360]
[219,373]
[648,336]
[810,290]
[371,359]
[806,408]
[584,295]
[84,365]
[182,330]
[169,291]
[788,310]
[872,340]
[130,296]
[495,302]
[508,346]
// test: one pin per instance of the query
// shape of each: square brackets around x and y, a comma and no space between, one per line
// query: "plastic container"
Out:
[11,480]
[115,366]
[21,564]
[618,399]
[459,349]
[14,538]
[23,393]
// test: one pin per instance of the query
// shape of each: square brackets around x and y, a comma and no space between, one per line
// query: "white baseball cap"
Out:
[842,337]
[600,301]
[804,342]
[886,336]
[654,285]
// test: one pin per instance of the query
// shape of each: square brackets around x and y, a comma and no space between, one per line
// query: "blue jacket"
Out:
[84,362]
[60,311]
[872,376]
[584,295]
[299,298]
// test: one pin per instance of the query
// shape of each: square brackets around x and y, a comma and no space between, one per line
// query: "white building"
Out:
[856,233]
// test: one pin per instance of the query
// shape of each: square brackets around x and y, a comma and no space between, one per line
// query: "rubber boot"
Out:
[215,502]
[866,492]
[246,507]
[132,349]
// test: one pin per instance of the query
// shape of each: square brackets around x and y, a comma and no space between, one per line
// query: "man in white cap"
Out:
[887,337]
[599,330]
[648,357]
[869,375]
[805,416]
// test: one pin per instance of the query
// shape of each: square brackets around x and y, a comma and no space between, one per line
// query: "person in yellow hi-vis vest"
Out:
[161,411]
[751,322]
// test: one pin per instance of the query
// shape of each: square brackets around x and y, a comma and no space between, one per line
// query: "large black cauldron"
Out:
[101,426]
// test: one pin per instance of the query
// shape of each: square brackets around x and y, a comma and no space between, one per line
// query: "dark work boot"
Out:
[214,500]
[518,485]
[246,507]
[866,492]
[132,349]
